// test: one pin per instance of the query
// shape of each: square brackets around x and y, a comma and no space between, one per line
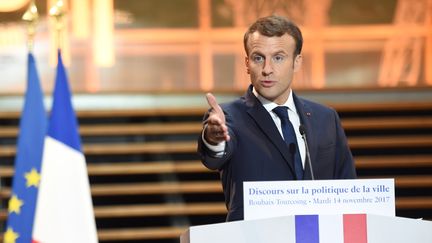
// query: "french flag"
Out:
[350,228]
[64,210]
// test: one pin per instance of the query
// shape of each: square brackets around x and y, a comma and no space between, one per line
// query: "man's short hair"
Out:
[275,26]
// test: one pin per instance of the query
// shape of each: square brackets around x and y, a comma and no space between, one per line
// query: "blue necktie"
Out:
[290,139]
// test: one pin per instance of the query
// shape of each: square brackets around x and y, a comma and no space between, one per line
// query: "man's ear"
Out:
[298,62]
[247,64]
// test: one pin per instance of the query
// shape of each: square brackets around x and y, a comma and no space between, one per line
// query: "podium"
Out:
[347,228]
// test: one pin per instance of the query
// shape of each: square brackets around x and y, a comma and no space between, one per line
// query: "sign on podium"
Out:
[266,199]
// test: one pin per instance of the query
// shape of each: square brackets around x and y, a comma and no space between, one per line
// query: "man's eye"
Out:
[278,58]
[257,58]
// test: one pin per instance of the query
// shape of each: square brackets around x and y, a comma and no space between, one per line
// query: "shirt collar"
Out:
[269,105]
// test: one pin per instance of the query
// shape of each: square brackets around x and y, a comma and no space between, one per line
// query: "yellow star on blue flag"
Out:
[32,178]
[10,236]
[15,205]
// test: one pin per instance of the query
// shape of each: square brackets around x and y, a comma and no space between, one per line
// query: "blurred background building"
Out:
[195,45]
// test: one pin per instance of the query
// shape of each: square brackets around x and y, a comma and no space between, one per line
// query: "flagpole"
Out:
[57,12]
[31,17]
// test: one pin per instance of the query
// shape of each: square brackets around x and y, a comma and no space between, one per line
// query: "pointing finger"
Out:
[211,100]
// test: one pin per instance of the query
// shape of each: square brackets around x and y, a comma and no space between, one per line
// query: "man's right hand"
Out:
[216,130]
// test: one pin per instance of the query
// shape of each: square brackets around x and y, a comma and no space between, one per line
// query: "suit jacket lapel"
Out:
[305,114]
[265,122]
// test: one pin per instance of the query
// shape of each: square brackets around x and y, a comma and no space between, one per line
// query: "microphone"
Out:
[302,130]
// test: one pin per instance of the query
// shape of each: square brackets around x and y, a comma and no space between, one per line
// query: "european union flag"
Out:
[28,161]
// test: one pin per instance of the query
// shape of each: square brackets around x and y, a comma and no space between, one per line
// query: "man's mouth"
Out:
[267,83]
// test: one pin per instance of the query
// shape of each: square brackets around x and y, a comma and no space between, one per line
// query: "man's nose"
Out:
[267,68]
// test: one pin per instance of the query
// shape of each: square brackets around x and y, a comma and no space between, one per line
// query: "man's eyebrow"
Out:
[256,52]
[280,52]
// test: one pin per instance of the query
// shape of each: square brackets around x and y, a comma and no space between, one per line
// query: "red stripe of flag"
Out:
[355,229]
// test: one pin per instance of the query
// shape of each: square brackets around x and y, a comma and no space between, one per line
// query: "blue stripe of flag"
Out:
[63,122]
[306,229]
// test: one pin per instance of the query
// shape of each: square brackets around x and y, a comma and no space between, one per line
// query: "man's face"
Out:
[271,65]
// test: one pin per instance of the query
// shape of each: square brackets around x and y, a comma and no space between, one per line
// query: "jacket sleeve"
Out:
[345,162]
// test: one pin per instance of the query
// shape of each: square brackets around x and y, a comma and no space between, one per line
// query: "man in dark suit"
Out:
[247,139]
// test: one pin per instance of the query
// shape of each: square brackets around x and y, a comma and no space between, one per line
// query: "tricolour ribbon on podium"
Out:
[321,229]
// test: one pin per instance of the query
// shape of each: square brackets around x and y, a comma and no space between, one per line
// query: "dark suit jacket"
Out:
[257,152]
